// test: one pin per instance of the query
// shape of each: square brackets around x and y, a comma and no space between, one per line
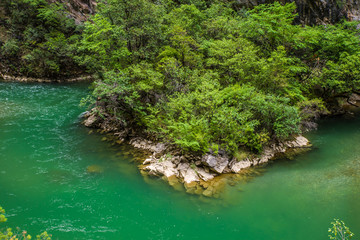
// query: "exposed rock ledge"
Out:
[45,80]
[197,173]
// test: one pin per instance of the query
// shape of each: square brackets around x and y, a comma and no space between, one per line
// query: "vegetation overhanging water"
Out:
[45,185]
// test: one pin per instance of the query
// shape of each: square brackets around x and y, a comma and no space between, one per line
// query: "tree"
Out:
[103,46]
[339,231]
[270,25]
[37,39]
[9,234]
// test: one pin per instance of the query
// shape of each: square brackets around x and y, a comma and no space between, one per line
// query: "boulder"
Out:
[208,192]
[216,163]
[95,169]
[164,168]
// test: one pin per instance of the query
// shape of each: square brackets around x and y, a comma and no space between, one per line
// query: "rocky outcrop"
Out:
[203,175]
[45,80]
[79,10]
[148,145]
[312,12]
[269,153]
[200,176]
[327,11]
[237,166]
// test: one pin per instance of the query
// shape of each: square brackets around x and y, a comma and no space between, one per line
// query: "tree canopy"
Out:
[202,75]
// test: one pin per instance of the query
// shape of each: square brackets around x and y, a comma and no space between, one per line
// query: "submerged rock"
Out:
[175,183]
[95,169]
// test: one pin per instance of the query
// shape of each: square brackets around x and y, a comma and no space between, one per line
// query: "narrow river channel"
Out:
[45,183]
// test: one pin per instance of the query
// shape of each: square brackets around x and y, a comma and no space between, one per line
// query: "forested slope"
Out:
[201,75]
[37,37]
[206,76]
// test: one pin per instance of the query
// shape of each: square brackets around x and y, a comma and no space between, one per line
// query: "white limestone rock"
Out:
[301,141]
[237,166]
[267,154]
[204,175]
[187,173]
[148,145]
[162,168]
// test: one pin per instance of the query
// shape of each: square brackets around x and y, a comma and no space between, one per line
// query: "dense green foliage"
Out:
[205,76]
[202,75]
[36,39]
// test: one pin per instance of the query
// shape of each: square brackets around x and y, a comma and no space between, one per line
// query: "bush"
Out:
[236,116]
[9,234]
[339,231]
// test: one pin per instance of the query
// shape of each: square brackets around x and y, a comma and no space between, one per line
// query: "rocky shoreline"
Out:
[200,175]
[9,78]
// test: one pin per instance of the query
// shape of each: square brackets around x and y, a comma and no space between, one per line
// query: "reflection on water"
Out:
[56,176]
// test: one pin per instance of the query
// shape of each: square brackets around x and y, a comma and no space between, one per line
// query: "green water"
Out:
[44,185]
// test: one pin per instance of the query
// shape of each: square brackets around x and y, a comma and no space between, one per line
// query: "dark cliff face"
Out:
[327,11]
[313,12]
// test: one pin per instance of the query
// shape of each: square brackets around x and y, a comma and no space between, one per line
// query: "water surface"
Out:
[45,185]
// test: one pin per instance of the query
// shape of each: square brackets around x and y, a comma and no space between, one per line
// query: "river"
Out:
[44,183]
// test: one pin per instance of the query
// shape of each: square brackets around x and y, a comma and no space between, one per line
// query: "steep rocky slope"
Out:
[79,9]
[316,11]
[311,12]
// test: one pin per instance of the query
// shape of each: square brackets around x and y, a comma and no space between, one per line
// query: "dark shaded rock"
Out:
[314,12]
[217,163]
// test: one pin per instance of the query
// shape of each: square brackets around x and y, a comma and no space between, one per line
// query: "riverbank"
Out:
[9,78]
[202,175]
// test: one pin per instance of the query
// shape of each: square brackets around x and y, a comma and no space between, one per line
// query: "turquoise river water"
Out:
[45,185]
